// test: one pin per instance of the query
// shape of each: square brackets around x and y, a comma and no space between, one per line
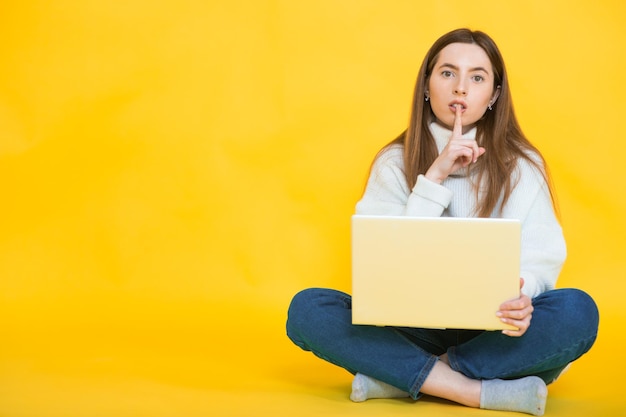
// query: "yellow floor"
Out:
[245,367]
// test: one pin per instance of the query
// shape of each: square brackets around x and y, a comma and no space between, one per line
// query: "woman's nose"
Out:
[460,90]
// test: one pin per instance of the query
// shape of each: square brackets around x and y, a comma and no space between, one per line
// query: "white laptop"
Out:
[442,272]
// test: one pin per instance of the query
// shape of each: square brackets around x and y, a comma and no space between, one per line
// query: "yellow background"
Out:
[174,171]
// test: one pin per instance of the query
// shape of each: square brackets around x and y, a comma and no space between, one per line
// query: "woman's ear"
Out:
[495,96]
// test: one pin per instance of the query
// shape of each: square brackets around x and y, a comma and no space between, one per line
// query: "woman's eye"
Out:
[446,74]
[478,78]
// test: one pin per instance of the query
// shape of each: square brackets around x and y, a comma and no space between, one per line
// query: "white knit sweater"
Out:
[543,246]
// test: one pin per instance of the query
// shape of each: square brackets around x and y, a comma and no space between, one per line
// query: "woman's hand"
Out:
[458,153]
[517,313]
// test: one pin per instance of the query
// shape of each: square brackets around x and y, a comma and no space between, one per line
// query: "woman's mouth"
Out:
[457,105]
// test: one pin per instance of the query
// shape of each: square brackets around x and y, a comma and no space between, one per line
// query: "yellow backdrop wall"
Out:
[174,171]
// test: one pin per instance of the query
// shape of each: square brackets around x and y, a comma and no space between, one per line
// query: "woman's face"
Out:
[462,78]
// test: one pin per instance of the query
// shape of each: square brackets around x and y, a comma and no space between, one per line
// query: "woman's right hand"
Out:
[458,153]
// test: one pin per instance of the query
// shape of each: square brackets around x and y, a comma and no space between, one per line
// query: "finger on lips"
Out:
[458,132]
[458,124]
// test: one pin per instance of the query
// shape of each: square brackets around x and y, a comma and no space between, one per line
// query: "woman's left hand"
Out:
[517,313]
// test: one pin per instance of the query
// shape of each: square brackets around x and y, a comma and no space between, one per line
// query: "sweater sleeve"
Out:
[543,244]
[387,192]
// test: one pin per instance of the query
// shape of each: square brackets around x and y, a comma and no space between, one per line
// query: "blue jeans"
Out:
[564,326]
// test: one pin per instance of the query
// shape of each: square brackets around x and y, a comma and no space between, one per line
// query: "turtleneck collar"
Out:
[442,135]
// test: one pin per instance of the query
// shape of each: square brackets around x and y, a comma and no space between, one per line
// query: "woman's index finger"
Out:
[458,125]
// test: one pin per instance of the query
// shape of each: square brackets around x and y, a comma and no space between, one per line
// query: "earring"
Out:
[489,106]
[426,98]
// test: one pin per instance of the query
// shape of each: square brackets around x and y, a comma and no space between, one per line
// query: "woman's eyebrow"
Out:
[455,68]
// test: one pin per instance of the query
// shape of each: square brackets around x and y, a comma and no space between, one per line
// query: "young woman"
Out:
[463,154]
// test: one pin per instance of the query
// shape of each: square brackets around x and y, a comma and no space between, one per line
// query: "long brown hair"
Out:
[498,131]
